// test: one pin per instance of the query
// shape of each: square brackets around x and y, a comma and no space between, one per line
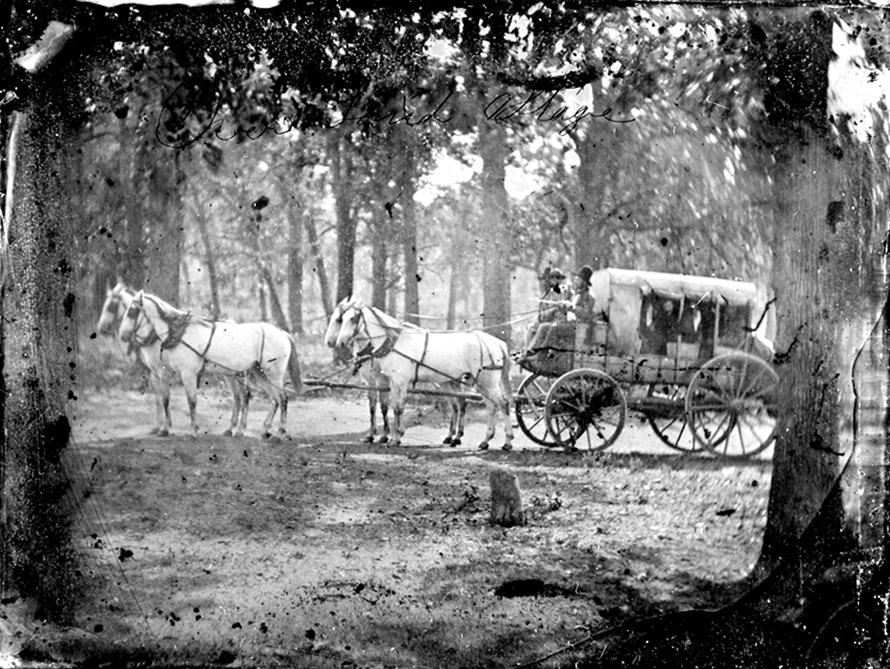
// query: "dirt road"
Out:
[325,552]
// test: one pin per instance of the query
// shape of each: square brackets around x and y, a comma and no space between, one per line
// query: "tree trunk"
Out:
[495,236]
[40,357]
[806,461]
[164,251]
[341,172]
[379,252]
[130,265]
[209,260]
[821,310]
[320,271]
[409,233]
[599,152]
[261,296]
[295,266]
[277,311]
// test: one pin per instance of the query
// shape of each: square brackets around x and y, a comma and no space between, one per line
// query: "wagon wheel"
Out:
[530,401]
[585,409]
[666,413]
[732,405]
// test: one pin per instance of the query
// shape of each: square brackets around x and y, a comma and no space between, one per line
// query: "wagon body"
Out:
[690,353]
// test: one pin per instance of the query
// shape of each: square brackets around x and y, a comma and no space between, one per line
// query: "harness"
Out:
[369,352]
[137,341]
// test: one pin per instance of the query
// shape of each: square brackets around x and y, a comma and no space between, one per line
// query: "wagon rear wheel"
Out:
[665,409]
[531,398]
[732,405]
[585,409]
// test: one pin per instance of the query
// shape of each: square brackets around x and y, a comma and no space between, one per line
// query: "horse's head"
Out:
[132,319]
[113,308]
[351,330]
[330,335]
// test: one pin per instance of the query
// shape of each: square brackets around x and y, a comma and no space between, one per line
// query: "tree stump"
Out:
[506,502]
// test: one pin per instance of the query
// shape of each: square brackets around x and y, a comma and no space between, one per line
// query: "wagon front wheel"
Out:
[585,409]
[530,400]
[732,405]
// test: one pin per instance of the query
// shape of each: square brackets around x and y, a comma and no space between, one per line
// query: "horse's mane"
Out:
[175,319]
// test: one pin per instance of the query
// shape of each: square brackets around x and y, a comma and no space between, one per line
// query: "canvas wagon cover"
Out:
[619,292]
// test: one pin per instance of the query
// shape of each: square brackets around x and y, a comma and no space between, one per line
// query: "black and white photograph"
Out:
[500,334]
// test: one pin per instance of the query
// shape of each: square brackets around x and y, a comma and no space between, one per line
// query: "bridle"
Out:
[139,319]
[369,351]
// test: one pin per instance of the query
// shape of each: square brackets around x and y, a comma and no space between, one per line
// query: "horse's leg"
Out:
[458,408]
[165,404]
[372,410]
[267,423]
[161,391]
[274,395]
[237,399]
[282,411]
[452,423]
[397,400]
[190,383]
[506,405]
[245,405]
[383,398]
[492,407]
[461,418]
[159,410]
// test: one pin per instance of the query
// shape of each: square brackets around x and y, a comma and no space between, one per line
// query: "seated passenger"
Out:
[579,308]
[549,310]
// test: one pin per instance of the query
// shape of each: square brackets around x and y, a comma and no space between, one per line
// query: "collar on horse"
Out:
[176,327]
[389,341]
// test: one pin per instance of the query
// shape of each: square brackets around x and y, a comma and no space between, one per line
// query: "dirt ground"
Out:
[322,551]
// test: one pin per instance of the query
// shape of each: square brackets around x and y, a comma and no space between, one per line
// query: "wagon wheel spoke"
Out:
[585,408]
[732,405]
[530,401]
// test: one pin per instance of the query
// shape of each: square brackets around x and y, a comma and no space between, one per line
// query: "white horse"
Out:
[378,388]
[378,384]
[259,353]
[147,347]
[409,355]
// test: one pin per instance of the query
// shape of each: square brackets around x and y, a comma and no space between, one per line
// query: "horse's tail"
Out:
[293,365]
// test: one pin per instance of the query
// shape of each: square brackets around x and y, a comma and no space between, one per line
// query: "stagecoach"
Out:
[686,353]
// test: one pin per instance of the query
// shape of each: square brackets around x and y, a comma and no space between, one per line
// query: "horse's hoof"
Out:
[272,438]
[447,440]
[163,433]
[154,430]
[369,439]
[228,433]
[483,447]
[383,440]
[507,447]
[455,442]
